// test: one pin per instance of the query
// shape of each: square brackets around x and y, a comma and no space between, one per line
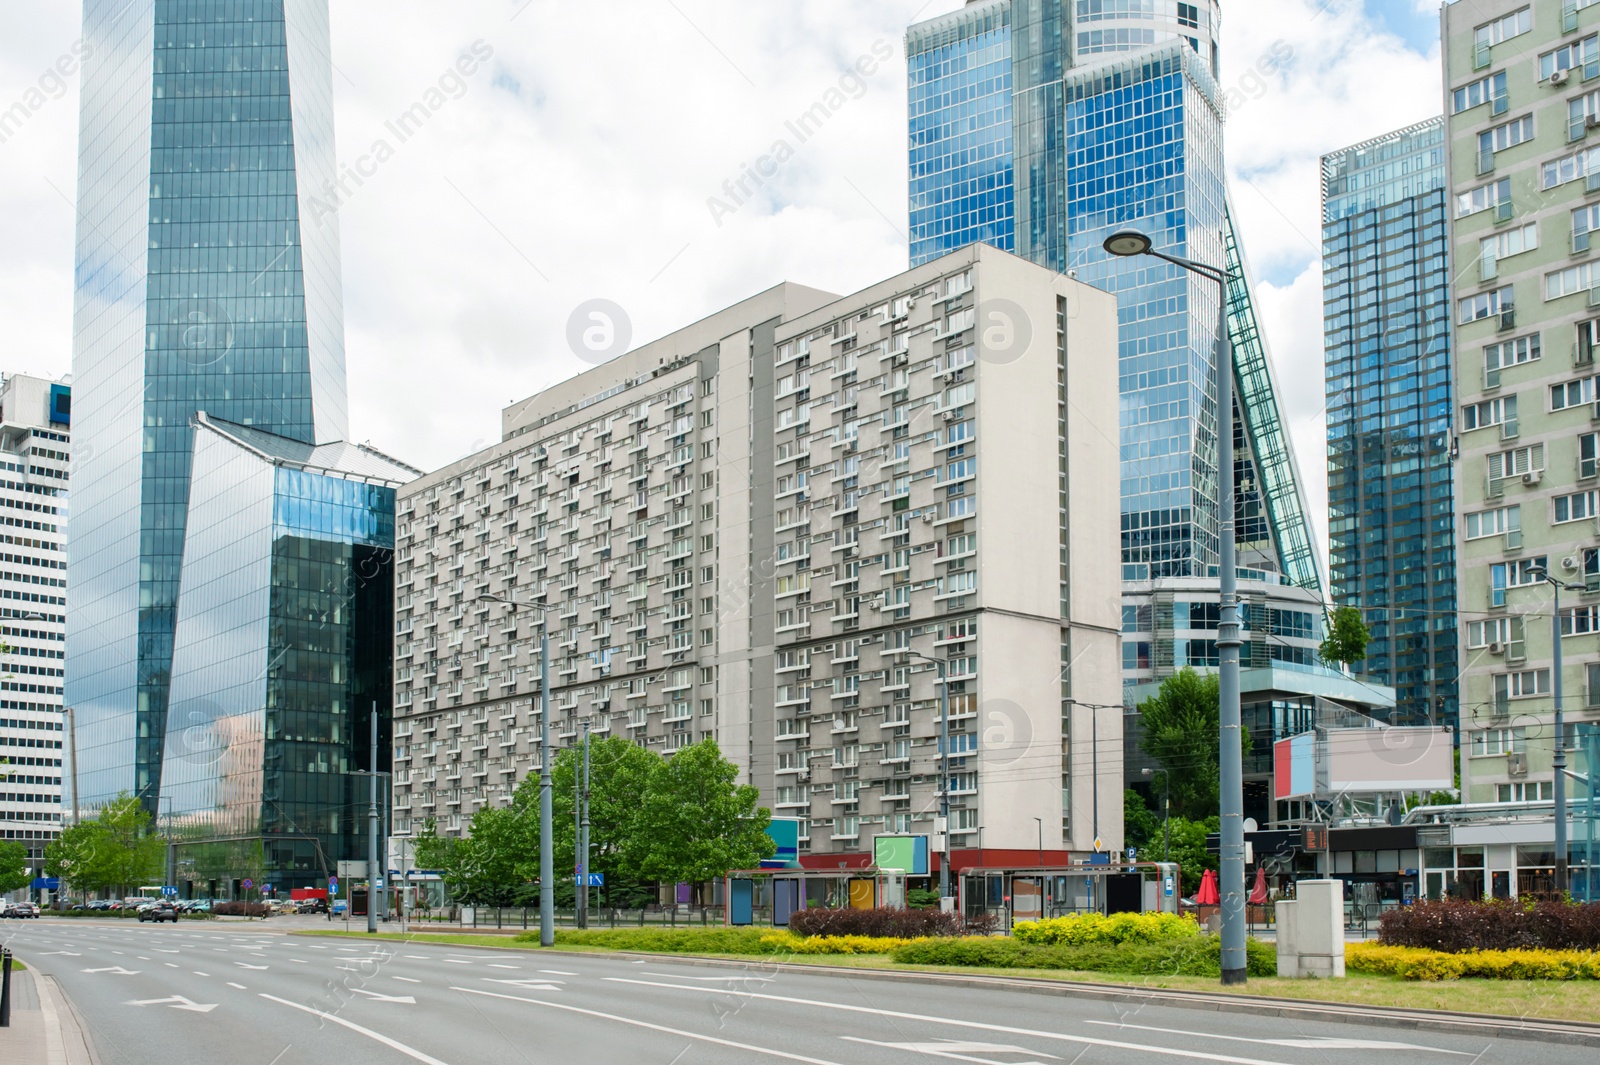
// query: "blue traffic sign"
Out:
[248,883]
[169,892]
[595,879]
[333,883]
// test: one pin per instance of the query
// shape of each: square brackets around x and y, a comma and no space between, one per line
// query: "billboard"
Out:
[901,854]
[1363,761]
[785,832]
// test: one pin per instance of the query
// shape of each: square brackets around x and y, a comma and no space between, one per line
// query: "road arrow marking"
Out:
[533,984]
[119,970]
[958,1050]
[407,999]
[177,1002]
[1323,1043]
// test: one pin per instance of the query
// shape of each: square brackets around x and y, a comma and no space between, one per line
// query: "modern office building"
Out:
[759,529]
[1391,503]
[35,444]
[206,286]
[1524,165]
[1042,126]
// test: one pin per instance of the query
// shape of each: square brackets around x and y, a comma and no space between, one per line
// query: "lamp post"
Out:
[547,873]
[944,766]
[1130,242]
[1166,810]
[1094,757]
[1560,762]
[1040,822]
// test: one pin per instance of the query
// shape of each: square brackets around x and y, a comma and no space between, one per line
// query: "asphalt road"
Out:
[158,994]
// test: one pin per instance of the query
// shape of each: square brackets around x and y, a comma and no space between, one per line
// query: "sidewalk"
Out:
[44,1030]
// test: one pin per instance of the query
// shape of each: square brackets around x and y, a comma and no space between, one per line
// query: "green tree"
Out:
[116,851]
[695,821]
[69,855]
[483,867]
[619,775]
[14,871]
[1180,728]
[1140,824]
[1188,849]
[1347,639]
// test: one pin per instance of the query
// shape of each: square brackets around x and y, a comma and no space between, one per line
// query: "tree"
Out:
[1347,639]
[484,867]
[1188,849]
[1140,825]
[14,871]
[695,822]
[619,775]
[114,852]
[1180,726]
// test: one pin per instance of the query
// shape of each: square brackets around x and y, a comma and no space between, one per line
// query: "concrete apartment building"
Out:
[750,528]
[35,442]
[1522,96]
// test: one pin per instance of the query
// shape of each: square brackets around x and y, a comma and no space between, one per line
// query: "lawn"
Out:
[1552,1000]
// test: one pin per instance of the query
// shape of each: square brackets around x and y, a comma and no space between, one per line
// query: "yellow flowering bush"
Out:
[1086,929]
[1418,963]
[788,942]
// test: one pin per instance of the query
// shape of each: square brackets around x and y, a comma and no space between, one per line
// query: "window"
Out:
[1490,631]
[1501,741]
[1511,242]
[1525,791]
[1515,462]
[1489,412]
[1572,394]
[1588,451]
[1575,507]
[1488,304]
[1515,574]
[1504,28]
[1526,684]
[1506,135]
[1585,220]
[1511,352]
[1483,197]
[1580,620]
[1493,522]
[1479,92]
[1568,56]
[1573,279]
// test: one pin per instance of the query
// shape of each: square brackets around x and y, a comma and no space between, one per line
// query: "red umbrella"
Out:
[1258,894]
[1208,895]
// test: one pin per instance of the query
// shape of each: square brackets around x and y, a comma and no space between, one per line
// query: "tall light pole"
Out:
[1094,757]
[374,874]
[547,871]
[1560,762]
[1166,809]
[944,766]
[1131,242]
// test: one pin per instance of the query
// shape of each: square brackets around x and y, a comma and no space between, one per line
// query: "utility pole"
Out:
[372,828]
[1559,763]
[72,748]
[583,834]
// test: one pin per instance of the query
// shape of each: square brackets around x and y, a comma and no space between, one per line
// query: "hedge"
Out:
[1187,956]
[664,940]
[789,943]
[1454,926]
[878,922]
[1090,928]
[1418,963]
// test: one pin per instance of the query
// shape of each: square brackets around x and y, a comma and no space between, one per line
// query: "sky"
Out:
[585,159]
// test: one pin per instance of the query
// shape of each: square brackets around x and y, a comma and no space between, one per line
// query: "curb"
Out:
[1568,1033]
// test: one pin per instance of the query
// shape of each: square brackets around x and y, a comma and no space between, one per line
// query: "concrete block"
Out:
[1288,959]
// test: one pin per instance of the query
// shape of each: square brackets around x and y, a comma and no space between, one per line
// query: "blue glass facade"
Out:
[959,85]
[204,125]
[1391,508]
[1116,123]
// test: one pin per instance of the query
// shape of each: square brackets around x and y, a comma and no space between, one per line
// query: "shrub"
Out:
[878,922]
[1418,963]
[1454,926]
[789,943]
[240,909]
[1187,956]
[965,950]
[1087,928]
[664,940]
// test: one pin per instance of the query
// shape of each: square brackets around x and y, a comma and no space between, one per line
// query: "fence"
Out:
[513,918]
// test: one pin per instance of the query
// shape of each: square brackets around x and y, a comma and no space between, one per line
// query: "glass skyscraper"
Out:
[203,284]
[1042,126]
[1386,301]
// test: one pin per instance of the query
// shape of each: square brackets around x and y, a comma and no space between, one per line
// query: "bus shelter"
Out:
[1007,896]
[770,896]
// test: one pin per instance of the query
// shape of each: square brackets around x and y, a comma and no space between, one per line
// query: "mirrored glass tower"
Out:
[202,285]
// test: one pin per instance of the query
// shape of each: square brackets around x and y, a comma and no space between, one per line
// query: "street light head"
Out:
[1147,772]
[1539,573]
[1127,242]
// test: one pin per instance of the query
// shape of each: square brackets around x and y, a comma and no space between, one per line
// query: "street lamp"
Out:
[1166,810]
[1094,757]
[1129,242]
[1560,764]
[944,765]
[547,873]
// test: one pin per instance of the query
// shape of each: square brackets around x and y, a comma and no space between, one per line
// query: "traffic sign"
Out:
[267,888]
[1133,854]
[1098,845]
[333,884]
[169,892]
[595,879]
[378,883]
[248,883]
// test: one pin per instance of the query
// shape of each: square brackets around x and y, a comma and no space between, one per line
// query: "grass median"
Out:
[1546,999]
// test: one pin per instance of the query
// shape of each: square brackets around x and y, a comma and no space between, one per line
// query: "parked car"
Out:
[25,909]
[99,904]
[313,906]
[340,907]
[158,911]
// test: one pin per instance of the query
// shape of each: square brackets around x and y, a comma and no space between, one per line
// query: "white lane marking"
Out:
[1173,1052]
[407,999]
[557,972]
[164,950]
[299,961]
[117,969]
[169,964]
[368,1032]
[496,965]
[653,1027]
[143,958]
[316,946]
[953,1048]
[241,987]
[534,984]
[177,1002]
[416,957]
[197,972]
[247,965]
[1309,1043]
[675,976]
[457,961]
[68,953]
[408,980]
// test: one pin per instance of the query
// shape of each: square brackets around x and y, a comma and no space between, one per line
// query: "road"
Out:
[253,995]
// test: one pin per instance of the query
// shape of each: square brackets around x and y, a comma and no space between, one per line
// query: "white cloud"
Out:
[587,151]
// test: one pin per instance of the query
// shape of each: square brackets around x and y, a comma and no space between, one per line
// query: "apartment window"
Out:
[1498,741]
[1506,135]
[1575,507]
[1515,462]
[1580,621]
[1588,452]
[1505,27]
[1511,242]
[708,575]
[1489,412]
[1487,632]
[1515,574]
[1480,92]
[1569,56]
[1493,522]
[1488,304]
[1483,198]
[1511,352]
[1572,394]
[1526,684]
